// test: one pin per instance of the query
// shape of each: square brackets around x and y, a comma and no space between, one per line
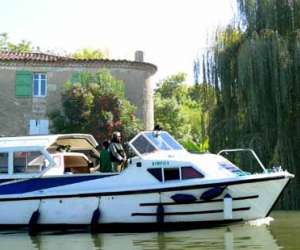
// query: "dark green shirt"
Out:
[105,163]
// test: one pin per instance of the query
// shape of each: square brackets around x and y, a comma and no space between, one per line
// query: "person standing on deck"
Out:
[117,152]
[105,162]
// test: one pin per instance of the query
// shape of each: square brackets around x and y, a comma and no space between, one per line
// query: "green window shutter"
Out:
[75,78]
[23,83]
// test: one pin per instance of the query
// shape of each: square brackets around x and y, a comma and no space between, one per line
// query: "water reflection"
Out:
[233,237]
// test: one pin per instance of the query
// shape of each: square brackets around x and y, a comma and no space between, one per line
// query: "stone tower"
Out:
[148,105]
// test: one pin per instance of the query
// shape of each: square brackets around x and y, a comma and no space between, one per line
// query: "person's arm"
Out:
[114,152]
[94,154]
[93,170]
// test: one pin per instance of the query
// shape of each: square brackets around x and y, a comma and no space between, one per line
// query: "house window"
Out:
[38,127]
[39,85]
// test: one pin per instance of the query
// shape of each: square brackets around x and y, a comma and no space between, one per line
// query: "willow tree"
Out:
[255,69]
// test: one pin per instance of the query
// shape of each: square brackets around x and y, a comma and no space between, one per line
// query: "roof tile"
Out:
[37,57]
[34,57]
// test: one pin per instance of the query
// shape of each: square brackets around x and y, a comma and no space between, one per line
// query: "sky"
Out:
[170,32]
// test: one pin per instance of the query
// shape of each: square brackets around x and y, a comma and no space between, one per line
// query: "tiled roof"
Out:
[48,58]
[37,57]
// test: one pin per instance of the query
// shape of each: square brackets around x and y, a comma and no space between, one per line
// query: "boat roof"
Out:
[75,141]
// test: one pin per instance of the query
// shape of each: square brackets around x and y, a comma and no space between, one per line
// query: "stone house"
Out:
[31,83]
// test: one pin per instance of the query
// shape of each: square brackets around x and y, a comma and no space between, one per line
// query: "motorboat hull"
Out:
[135,210]
[54,181]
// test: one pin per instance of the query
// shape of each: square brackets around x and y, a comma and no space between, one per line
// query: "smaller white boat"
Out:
[46,182]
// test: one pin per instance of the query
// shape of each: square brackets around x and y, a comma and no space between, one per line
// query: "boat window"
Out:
[3,163]
[151,141]
[156,172]
[28,162]
[142,145]
[190,173]
[231,167]
[171,141]
[158,141]
[171,174]
[163,141]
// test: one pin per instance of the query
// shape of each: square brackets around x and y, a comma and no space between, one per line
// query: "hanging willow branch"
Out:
[256,74]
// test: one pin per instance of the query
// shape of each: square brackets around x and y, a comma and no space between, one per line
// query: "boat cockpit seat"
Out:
[76,164]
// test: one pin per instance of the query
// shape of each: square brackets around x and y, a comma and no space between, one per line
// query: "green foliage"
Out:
[5,44]
[95,105]
[282,16]
[3,40]
[183,111]
[256,78]
[168,86]
[169,115]
[88,53]
[103,78]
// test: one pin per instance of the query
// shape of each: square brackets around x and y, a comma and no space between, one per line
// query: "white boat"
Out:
[46,182]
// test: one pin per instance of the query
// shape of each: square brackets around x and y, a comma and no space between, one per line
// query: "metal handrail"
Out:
[244,149]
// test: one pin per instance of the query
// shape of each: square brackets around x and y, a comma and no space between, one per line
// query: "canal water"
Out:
[282,233]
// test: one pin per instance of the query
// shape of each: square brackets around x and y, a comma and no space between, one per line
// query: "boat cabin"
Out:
[33,156]
[159,158]
[166,160]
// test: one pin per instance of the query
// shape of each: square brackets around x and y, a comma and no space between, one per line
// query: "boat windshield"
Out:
[149,142]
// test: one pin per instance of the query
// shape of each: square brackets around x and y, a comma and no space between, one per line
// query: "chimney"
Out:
[139,56]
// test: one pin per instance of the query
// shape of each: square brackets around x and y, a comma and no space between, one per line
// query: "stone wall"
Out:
[15,112]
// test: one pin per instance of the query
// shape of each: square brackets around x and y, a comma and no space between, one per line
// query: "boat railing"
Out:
[245,150]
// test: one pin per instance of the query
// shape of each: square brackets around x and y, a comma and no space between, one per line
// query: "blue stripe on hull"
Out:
[30,185]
